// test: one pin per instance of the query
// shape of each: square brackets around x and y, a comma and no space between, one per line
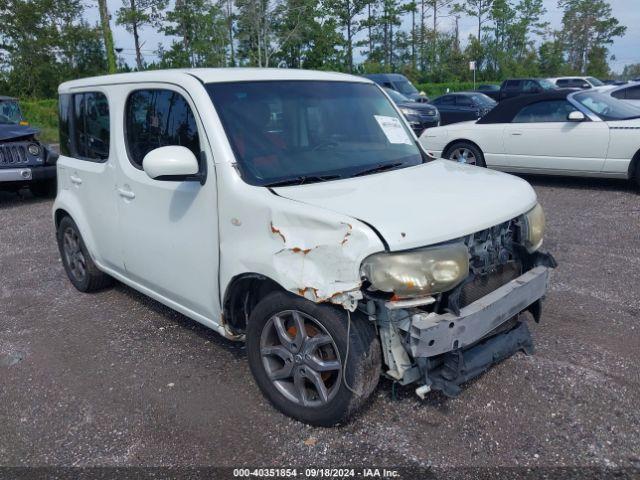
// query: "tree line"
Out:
[44,42]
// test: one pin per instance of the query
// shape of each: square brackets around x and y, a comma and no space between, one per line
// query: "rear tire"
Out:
[44,188]
[81,270]
[466,151]
[303,376]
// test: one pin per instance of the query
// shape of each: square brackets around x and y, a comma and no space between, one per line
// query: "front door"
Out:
[541,138]
[169,229]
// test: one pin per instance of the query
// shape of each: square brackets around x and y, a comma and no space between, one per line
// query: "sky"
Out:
[626,49]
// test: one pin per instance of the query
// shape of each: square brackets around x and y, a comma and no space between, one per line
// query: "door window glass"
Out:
[463,101]
[549,111]
[633,93]
[84,126]
[446,100]
[158,118]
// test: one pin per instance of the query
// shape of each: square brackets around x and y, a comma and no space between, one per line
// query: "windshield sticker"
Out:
[393,129]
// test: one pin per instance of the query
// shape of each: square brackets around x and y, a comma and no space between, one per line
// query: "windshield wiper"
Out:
[302,179]
[378,168]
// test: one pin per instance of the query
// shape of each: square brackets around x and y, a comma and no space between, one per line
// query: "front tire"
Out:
[297,352]
[81,270]
[465,152]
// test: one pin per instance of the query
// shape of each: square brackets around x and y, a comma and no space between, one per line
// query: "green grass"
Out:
[42,114]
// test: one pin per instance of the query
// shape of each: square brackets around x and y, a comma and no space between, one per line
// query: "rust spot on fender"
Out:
[277,232]
[300,250]
[347,235]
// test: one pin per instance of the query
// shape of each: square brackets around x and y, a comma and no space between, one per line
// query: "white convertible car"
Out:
[561,132]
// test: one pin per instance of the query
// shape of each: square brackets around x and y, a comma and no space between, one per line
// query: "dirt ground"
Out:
[117,379]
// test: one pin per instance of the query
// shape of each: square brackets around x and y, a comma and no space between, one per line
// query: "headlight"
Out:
[410,112]
[34,149]
[534,224]
[419,272]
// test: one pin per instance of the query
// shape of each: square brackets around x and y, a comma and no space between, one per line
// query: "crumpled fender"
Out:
[310,251]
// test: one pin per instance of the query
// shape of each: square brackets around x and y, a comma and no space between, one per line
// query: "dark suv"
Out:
[514,87]
[24,161]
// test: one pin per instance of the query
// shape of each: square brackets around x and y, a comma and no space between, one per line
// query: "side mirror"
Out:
[171,163]
[576,116]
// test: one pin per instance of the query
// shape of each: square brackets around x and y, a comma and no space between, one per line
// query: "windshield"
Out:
[595,82]
[10,112]
[308,131]
[607,107]
[546,84]
[405,87]
[396,96]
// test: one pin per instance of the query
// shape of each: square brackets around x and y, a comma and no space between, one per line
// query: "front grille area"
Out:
[493,262]
[481,285]
[13,154]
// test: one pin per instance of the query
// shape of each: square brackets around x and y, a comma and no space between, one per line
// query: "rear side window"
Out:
[463,101]
[84,126]
[158,118]
[548,111]
[512,85]
[633,93]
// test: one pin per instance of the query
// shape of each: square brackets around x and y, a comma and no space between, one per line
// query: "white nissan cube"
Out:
[296,210]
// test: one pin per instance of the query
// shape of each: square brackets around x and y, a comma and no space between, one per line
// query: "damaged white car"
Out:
[296,210]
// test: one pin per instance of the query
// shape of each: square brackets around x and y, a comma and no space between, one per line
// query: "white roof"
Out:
[210,75]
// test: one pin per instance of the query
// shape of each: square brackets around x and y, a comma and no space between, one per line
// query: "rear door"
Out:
[447,108]
[540,138]
[86,170]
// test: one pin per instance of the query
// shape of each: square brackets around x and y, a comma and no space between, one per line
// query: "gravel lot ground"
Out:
[115,378]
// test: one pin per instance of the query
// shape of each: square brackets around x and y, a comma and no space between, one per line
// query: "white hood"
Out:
[422,205]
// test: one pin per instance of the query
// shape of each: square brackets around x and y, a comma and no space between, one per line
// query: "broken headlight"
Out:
[534,224]
[418,272]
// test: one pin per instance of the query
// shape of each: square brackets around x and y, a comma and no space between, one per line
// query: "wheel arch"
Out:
[634,167]
[458,140]
[241,296]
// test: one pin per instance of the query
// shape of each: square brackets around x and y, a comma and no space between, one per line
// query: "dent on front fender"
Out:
[319,259]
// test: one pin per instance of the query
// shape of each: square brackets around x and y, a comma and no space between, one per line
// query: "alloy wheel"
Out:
[463,155]
[73,254]
[300,358]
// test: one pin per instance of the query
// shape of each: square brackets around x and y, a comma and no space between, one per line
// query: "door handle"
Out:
[126,193]
[75,180]
[516,134]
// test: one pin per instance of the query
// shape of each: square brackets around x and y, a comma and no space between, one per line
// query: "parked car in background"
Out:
[462,106]
[561,132]
[610,81]
[490,90]
[399,83]
[24,160]
[583,83]
[515,87]
[419,115]
[279,207]
[629,93]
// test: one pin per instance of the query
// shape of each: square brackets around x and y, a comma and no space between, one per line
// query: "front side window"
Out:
[158,118]
[84,126]
[305,131]
[607,107]
[513,85]
[463,101]
[10,112]
[549,111]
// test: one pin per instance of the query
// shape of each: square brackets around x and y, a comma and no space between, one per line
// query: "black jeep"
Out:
[24,161]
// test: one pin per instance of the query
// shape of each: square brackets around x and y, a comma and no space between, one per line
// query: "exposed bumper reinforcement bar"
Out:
[433,334]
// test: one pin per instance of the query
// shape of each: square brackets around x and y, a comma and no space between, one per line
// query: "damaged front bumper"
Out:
[448,349]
